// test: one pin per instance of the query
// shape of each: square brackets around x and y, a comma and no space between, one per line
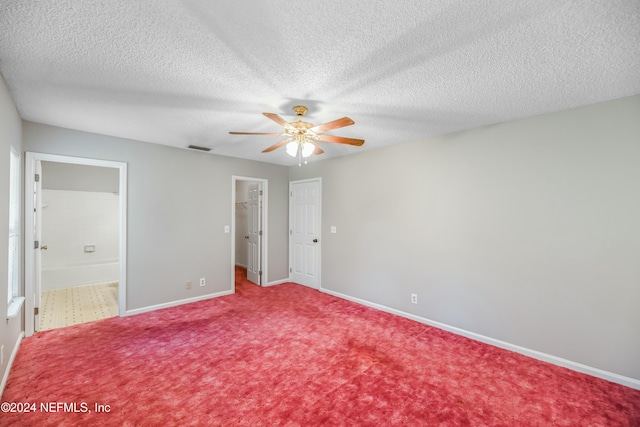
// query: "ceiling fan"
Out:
[301,136]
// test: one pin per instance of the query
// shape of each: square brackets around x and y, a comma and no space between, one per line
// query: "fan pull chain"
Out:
[300,156]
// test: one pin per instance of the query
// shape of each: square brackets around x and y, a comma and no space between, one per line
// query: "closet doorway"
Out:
[249,228]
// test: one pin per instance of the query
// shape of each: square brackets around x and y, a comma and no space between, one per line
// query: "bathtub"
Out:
[79,274]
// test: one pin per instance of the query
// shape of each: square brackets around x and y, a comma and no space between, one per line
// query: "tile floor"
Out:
[70,306]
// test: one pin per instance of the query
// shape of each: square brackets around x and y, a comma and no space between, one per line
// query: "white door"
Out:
[254,207]
[304,232]
[37,246]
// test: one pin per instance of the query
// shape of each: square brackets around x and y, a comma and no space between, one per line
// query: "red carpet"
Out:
[289,355]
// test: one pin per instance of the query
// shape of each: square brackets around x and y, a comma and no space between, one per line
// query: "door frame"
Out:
[29,260]
[265,228]
[319,266]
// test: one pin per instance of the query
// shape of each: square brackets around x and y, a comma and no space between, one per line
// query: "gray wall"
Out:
[10,135]
[526,232]
[178,204]
[66,176]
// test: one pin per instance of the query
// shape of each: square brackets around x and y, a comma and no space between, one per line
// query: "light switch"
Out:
[227,228]
[333,229]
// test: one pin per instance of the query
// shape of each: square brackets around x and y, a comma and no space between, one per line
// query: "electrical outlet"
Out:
[202,281]
[414,298]
[189,284]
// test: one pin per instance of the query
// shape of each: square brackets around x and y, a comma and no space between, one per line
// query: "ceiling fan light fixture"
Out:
[292,148]
[303,148]
[307,149]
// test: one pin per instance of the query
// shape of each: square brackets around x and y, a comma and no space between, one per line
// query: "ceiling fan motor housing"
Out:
[300,110]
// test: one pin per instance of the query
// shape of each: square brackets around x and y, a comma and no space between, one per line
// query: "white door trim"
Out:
[265,228]
[29,261]
[319,266]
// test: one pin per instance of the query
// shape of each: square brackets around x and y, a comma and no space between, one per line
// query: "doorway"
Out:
[249,228]
[305,226]
[79,244]
[78,267]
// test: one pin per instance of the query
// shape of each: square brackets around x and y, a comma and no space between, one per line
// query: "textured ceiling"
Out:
[188,72]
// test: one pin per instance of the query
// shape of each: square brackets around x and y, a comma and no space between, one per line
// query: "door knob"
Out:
[246,237]
[315,240]
[44,248]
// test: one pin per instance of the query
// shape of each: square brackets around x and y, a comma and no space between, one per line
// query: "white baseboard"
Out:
[575,366]
[5,377]
[176,303]
[278,282]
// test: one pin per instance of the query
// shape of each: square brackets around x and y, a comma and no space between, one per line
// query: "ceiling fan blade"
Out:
[335,124]
[341,140]
[258,133]
[279,120]
[317,150]
[278,145]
